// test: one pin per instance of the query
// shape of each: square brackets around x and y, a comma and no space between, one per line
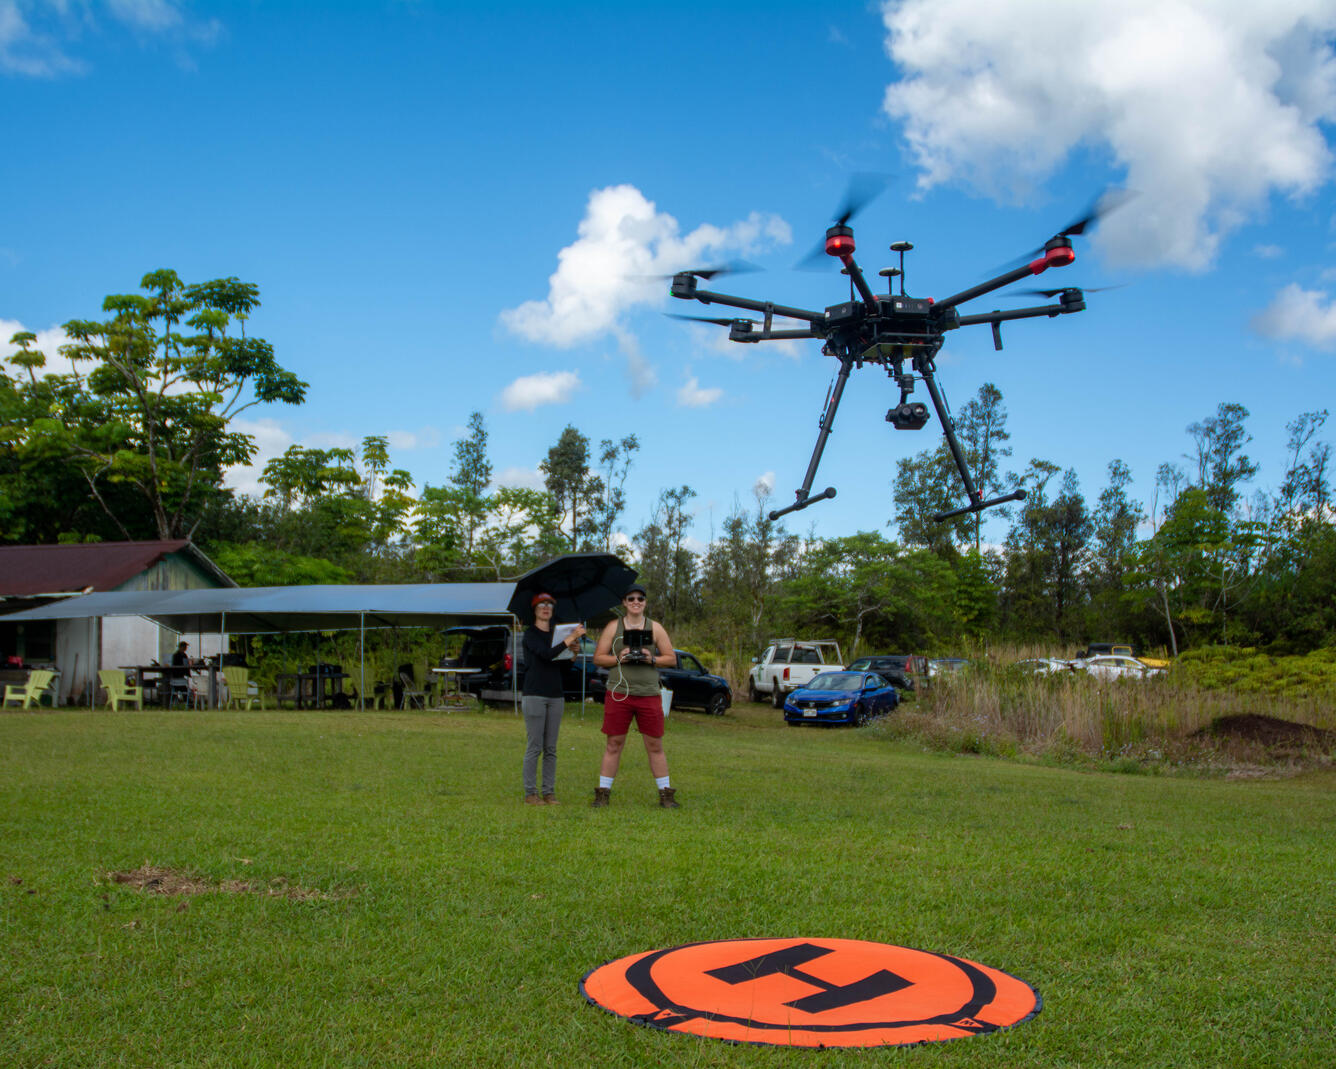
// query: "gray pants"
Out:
[542,721]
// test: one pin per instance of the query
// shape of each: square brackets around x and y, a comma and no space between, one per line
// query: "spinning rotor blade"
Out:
[864,187]
[1058,292]
[1108,201]
[708,319]
[731,267]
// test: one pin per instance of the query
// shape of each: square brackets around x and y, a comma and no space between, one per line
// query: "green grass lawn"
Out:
[379,896]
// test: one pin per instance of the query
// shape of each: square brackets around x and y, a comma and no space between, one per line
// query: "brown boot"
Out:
[602,796]
[667,799]
[532,799]
[550,799]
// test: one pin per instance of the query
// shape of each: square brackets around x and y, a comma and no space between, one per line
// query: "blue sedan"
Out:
[851,698]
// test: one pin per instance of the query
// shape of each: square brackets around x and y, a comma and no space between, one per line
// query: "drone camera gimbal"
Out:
[893,330]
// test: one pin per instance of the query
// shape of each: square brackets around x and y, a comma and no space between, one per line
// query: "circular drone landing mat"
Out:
[810,993]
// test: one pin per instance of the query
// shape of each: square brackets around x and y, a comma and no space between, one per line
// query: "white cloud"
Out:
[1268,252]
[1209,105]
[544,388]
[34,37]
[624,240]
[692,395]
[271,440]
[520,478]
[764,485]
[48,343]
[1301,315]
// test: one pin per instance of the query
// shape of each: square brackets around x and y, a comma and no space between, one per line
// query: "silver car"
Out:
[1116,666]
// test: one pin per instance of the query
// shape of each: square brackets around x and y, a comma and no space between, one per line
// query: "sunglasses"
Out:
[634,597]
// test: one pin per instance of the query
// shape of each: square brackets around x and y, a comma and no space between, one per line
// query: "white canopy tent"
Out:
[277,609]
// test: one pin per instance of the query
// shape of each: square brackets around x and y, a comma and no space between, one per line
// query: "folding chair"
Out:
[412,693]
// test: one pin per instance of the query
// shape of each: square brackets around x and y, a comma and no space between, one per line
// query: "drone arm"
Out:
[864,290]
[1023,313]
[1059,256]
[684,287]
[804,495]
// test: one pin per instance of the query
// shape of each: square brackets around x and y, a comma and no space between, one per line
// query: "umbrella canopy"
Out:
[584,584]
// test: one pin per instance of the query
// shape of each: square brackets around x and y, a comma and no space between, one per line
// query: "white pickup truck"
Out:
[788,664]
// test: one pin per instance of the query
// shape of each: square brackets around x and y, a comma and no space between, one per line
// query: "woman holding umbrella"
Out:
[543,698]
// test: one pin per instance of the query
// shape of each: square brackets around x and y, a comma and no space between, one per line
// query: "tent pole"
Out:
[361,648]
[222,660]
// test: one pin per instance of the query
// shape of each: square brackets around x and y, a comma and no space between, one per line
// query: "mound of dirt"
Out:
[1269,732]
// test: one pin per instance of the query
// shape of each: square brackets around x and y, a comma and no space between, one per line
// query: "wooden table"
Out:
[453,696]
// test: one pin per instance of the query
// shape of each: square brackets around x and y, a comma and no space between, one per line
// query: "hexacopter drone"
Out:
[891,330]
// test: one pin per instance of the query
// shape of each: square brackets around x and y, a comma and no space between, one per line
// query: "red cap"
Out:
[541,597]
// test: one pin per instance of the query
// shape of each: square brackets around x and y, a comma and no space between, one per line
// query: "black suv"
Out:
[693,686]
[897,669]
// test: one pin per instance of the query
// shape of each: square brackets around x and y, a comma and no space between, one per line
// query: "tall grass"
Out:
[991,708]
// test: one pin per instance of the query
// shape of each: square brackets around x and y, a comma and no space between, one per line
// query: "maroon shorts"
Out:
[618,712]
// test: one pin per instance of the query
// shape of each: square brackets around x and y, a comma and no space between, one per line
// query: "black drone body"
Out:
[899,333]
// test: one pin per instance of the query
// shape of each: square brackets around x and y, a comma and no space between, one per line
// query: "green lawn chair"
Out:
[119,690]
[29,693]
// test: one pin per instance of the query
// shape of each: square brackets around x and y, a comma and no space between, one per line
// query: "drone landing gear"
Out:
[977,504]
[804,494]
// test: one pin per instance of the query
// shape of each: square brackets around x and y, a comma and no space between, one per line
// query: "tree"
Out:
[666,565]
[615,461]
[927,484]
[982,430]
[167,373]
[570,482]
[471,474]
[1221,463]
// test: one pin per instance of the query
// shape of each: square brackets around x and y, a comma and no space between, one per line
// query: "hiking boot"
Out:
[602,796]
[550,799]
[532,799]
[667,798]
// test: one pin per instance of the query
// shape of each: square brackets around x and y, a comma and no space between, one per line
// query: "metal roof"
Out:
[271,609]
[55,571]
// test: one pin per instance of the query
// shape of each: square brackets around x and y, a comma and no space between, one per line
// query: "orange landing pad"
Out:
[810,993]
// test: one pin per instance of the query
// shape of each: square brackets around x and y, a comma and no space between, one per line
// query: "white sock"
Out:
[605,781]
[661,782]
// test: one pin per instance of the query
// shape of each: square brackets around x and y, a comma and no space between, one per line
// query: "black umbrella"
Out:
[584,584]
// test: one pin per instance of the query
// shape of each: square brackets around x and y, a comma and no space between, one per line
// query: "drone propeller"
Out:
[731,267]
[864,187]
[1108,201]
[708,319]
[1058,292]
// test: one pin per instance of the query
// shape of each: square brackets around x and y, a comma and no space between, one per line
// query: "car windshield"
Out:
[836,681]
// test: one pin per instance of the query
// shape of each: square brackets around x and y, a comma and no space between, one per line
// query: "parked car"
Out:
[899,669]
[939,665]
[844,697]
[693,686]
[786,665]
[1043,666]
[1120,667]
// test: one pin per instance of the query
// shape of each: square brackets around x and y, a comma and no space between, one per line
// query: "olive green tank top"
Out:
[639,680]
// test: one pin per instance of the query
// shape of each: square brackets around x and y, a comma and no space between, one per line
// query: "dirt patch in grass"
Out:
[1260,745]
[153,879]
[1271,732]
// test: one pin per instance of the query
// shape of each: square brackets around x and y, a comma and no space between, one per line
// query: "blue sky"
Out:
[448,208]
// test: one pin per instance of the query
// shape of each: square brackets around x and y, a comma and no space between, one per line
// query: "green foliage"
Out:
[255,564]
[149,405]
[1251,671]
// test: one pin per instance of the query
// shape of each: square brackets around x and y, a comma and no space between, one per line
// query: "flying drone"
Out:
[894,331]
